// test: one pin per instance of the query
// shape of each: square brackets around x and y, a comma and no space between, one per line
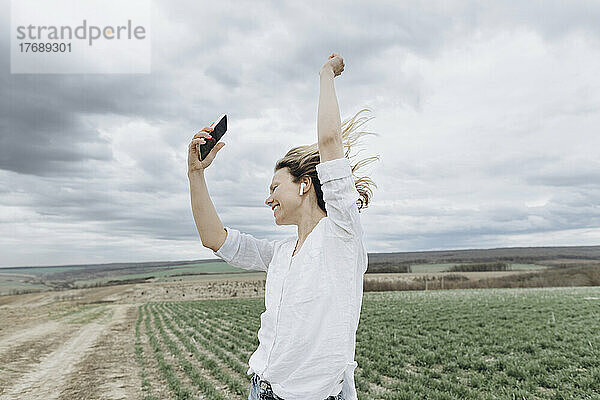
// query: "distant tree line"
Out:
[494,266]
[395,267]
[584,275]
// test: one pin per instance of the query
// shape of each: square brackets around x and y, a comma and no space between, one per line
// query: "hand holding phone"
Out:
[200,153]
[217,133]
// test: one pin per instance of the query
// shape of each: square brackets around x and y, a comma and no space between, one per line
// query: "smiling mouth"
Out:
[275,208]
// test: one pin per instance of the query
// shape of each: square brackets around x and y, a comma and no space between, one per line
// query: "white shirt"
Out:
[307,333]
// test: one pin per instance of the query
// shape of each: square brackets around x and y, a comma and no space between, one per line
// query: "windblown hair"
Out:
[302,161]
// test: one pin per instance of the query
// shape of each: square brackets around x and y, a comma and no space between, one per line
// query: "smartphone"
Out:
[219,130]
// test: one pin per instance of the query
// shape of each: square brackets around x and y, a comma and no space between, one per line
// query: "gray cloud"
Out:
[487,114]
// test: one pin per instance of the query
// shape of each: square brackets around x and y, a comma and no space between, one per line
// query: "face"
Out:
[284,197]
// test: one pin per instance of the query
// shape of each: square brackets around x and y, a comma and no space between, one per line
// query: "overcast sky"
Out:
[488,117]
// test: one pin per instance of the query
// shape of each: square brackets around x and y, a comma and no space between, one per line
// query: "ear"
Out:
[308,183]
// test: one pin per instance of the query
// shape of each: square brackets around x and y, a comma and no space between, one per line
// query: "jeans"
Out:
[261,390]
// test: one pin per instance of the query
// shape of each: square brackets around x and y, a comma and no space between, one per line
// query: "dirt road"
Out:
[69,350]
[80,343]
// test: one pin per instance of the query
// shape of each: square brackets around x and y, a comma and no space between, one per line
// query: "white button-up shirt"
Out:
[307,333]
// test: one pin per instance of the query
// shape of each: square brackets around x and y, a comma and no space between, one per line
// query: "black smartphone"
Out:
[219,130]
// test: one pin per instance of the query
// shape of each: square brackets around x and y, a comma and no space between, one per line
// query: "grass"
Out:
[481,344]
[179,391]
[166,272]
[139,355]
[539,343]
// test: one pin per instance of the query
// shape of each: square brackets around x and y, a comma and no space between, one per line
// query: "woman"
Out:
[313,291]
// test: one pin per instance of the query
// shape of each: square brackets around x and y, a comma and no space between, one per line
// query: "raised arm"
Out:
[211,230]
[328,120]
[209,226]
[334,170]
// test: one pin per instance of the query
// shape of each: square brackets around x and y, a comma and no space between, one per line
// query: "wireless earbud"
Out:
[302,185]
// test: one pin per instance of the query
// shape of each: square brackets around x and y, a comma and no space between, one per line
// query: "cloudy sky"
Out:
[488,117]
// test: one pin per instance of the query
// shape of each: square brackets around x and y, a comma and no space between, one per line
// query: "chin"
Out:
[279,222]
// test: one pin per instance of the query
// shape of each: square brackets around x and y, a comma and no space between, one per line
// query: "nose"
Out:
[269,200]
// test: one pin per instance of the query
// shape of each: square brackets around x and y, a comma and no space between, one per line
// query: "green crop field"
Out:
[169,273]
[457,344]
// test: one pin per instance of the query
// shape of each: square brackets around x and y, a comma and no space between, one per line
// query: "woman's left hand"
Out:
[336,63]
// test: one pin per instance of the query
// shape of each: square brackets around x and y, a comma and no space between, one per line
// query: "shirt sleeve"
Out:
[340,196]
[243,250]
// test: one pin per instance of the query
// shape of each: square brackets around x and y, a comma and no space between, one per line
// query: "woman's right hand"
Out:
[194,161]
[335,63]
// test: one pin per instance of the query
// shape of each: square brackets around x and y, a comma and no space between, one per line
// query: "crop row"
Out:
[456,344]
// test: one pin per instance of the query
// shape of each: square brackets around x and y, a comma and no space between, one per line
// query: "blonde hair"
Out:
[302,161]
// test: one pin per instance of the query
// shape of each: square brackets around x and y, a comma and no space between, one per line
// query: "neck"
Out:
[307,224]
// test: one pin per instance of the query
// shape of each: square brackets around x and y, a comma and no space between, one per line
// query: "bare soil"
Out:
[50,341]
[79,344]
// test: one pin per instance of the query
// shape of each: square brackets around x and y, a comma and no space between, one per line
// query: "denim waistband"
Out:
[263,384]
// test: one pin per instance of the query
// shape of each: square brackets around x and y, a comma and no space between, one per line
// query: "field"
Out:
[139,341]
[28,279]
[17,280]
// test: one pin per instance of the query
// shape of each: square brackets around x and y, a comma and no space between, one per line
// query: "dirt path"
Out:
[52,375]
[24,335]
[80,343]
[110,370]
